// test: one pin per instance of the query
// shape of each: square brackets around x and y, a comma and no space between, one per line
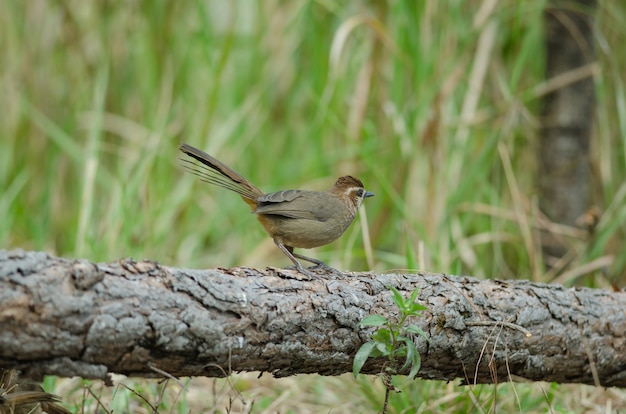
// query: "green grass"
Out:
[434,105]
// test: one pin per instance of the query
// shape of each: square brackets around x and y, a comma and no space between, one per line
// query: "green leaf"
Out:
[416,308]
[376,352]
[416,364]
[361,356]
[416,330]
[413,296]
[373,320]
[410,350]
[400,351]
[397,297]
[383,349]
[415,368]
[382,335]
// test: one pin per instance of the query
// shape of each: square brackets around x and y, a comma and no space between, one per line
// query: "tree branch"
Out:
[73,317]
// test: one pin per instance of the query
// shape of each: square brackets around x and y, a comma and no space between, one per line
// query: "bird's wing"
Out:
[280,196]
[292,204]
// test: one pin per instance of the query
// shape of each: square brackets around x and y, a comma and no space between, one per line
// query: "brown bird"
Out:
[293,218]
[23,396]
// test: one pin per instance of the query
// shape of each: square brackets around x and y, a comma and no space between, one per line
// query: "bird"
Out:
[24,396]
[292,218]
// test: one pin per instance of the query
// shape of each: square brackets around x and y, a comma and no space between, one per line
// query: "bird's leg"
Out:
[318,263]
[289,253]
[312,260]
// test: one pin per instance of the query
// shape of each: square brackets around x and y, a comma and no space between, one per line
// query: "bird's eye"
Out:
[359,192]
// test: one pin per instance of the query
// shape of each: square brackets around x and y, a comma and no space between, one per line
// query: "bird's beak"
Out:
[368,194]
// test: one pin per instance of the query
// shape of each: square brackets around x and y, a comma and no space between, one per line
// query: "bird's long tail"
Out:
[213,171]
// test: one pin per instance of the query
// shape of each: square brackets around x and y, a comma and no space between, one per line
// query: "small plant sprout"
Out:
[393,340]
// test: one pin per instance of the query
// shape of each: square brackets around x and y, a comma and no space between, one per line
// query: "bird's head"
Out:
[351,188]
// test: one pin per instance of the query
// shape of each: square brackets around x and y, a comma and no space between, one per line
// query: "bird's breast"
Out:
[305,233]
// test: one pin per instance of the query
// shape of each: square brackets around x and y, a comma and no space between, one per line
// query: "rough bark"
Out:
[73,317]
[564,170]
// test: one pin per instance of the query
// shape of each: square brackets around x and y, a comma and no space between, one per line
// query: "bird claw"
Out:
[322,266]
[328,269]
[302,271]
[305,272]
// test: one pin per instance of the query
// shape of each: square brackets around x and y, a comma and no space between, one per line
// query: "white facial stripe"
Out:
[351,190]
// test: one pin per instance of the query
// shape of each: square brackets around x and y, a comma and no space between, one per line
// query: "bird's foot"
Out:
[320,265]
[312,271]
[305,272]
[300,274]
[329,270]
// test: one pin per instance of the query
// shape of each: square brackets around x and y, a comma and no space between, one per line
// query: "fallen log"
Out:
[71,317]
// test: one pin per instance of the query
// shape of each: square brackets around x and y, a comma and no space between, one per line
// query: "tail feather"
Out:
[215,172]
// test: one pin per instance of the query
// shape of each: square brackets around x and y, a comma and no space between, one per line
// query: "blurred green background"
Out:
[433,104]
